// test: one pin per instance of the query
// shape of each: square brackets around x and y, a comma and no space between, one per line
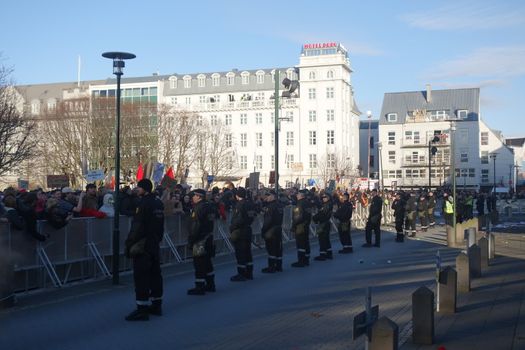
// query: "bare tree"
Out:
[334,166]
[17,141]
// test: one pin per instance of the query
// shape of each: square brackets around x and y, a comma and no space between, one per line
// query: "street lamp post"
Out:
[118,64]
[276,133]
[369,116]
[453,173]
[493,157]
[379,149]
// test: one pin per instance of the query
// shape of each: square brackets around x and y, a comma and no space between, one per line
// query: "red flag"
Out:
[169,173]
[140,172]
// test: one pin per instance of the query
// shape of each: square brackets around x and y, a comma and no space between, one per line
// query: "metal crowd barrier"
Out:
[83,249]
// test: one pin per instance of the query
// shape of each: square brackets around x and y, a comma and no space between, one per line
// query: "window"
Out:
[228,119]
[272,161]
[201,79]
[392,157]
[173,100]
[173,82]
[260,77]
[244,162]
[258,162]
[438,115]
[484,175]
[228,140]
[408,135]
[199,120]
[329,92]
[311,75]
[272,118]
[372,142]
[272,139]
[244,118]
[313,161]
[289,138]
[229,162]
[216,79]
[311,94]
[391,137]
[289,160]
[462,114]
[464,155]
[51,105]
[463,136]
[330,115]
[312,116]
[330,161]
[330,74]
[258,139]
[258,118]
[371,163]
[202,99]
[245,78]
[35,108]
[187,82]
[313,137]
[417,140]
[484,157]
[289,116]
[213,120]
[215,99]
[244,140]
[230,78]
[259,96]
[484,138]
[188,100]
[471,172]
[330,137]
[391,117]
[395,174]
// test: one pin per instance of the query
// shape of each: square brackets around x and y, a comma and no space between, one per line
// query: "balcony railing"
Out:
[423,161]
[422,141]
[238,105]
[429,117]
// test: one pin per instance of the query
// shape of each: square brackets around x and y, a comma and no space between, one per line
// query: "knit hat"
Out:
[146,185]
[241,192]
[200,192]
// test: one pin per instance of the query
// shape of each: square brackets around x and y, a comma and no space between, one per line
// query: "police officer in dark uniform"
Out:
[142,245]
[431,208]
[272,232]
[422,213]
[200,241]
[410,221]
[344,215]
[322,219]
[374,221]
[301,228]
[241,236]
[398,205]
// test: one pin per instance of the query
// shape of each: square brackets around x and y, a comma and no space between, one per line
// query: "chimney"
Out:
[429,93]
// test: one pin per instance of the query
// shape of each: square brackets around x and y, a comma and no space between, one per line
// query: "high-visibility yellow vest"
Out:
[449,208]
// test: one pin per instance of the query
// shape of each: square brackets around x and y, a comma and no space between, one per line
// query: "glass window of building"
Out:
[330,161]
[392,157]
[289,116]
[228,119]
[244,162]
[289,138]
[329,92]
[330,74]
[214,120]
[230,78]
[244,118]
[313,137]
[201,79]
[173,82]
[289,160]
[484,157]
[202,99]
[187,82]
[228,140]
[216,79]
[330,115]
[245,78]
[462,114]
[312,116]
[391,137]
[258,139]
[258,118]
[311,75]
[258,162]
[485,175]
[311,93]
[272,161]
[330,137]
[391,117]
[484,138]
[464,155]
[272,137]
[244,140]
[260,77]
[313,161]
[188,100]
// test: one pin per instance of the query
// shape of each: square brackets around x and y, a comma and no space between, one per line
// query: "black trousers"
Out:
[410,224]
[431,218]
[423,219]
[323,234]
[243,254]
[203,264]
[274,244]
[302,242]
[147,277]
[373,226]
[345,238]
[399,225]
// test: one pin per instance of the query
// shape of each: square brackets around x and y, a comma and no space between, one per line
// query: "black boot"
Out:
[320,257]
[270,268]
[278,264]
[198,290]
[400,237]
[140,314]
[329,255]
[210,283]
[155,308]
[249,272]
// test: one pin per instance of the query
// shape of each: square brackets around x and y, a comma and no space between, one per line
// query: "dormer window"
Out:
[230,78]
[391,117]
[260,77]
[245,78]
[201,79]
[173,82]
[216,79]
[187,82]
[462,114]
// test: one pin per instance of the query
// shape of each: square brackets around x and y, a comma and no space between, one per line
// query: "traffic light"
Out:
[433,149]
[291,86]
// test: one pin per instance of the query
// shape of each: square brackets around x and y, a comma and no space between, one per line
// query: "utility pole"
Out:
[276,131]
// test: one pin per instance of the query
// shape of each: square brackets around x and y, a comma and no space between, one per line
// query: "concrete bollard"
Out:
[463,271]
[474,260]
[483,245]
[448,283]
[492,246]
[470,236]
[385,335]
[423,316]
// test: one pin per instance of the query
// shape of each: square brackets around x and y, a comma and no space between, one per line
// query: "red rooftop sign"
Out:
[319,45]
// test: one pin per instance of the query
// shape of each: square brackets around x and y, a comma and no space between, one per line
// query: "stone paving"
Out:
[310,308]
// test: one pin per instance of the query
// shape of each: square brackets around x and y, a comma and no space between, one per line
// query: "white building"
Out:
[410,120]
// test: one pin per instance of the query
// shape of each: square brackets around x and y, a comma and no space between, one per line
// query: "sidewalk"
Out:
[310,308]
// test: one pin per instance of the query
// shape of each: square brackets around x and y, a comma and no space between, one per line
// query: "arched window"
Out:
[260,77]
[245,78]
[173,82]
[215,79]
[311,76]
[330,74]
[230,78]
[201,79]
[187,81]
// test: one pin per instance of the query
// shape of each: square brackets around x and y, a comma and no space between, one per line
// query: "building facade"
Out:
[415,132]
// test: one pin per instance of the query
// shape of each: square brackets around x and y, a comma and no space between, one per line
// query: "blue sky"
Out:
[393,45]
